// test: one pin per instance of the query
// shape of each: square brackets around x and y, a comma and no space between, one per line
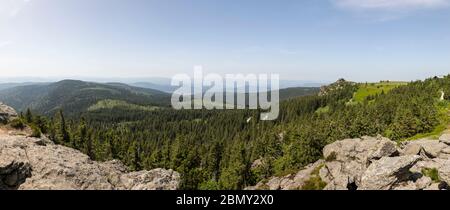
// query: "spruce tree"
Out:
[62,136]
[28,116]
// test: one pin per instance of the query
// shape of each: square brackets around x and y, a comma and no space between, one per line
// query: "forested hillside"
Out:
[234,149]
[76,96]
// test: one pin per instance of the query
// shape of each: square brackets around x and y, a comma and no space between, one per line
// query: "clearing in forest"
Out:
[371,89]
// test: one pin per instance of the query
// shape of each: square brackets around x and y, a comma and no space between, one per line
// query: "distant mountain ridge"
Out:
[165,86]
[157,83]
[4,86]
[75,96]
[161,87]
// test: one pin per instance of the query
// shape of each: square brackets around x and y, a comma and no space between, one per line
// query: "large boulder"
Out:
[6,113]
[342,176]
[304,175]
[156,179]
[436,163]
[423,182]
[445,138]
[376,163]
[362,150]
[412,149]
[385,173]
[290,182]
[444,173]
[32,163]
[426,147]
[14,167]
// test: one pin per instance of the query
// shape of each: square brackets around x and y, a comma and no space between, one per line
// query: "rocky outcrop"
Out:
[6,113]
[375,163]
[32,163]
[289,182]
[362,150]
[445,139]
[426,148]
[385,173]
[338,85]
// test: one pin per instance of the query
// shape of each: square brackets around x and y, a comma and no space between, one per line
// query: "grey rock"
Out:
[259,186]
[32,163]
[14,164]
[6,113]
[375,163]
[431,148]
[436,163]
[304,175]
[342,150]
[330,170]
[446,150]
[382,147]
[434,186]
[423,182]
[291,181]
[340,176]
[409,185]
[445,138]
[157,179]
[383,174]
[363,150]
[443,155]
[274,183]
[411,149]
[444,173]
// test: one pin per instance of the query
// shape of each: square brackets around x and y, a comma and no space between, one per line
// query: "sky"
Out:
[314,40]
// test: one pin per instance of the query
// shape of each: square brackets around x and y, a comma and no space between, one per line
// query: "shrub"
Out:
[332,157]
[315,182]
[432,173]
[35,132]
[209,185]
[17,123]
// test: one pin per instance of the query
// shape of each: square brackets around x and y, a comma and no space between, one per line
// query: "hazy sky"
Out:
[299,39]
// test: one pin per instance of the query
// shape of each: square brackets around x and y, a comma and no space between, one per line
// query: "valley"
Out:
[74,96]
[223,149]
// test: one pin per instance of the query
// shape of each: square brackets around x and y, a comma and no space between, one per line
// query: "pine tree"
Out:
[233,177]
[61,134]
[28,116]
[89,147]
[81,137]
[133,156]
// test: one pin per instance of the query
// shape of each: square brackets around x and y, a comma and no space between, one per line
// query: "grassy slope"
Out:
[371,89]
[111,104]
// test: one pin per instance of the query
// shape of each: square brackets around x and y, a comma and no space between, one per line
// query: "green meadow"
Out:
[371,89]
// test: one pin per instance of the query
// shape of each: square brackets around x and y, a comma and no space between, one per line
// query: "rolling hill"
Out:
[165,86]
[77,96]
[4,86]
[74,96]
[161,87]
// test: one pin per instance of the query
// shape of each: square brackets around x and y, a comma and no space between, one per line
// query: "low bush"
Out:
[17,123]
[35,132]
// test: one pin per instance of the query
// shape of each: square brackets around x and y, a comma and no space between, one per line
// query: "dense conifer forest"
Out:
[220,149]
